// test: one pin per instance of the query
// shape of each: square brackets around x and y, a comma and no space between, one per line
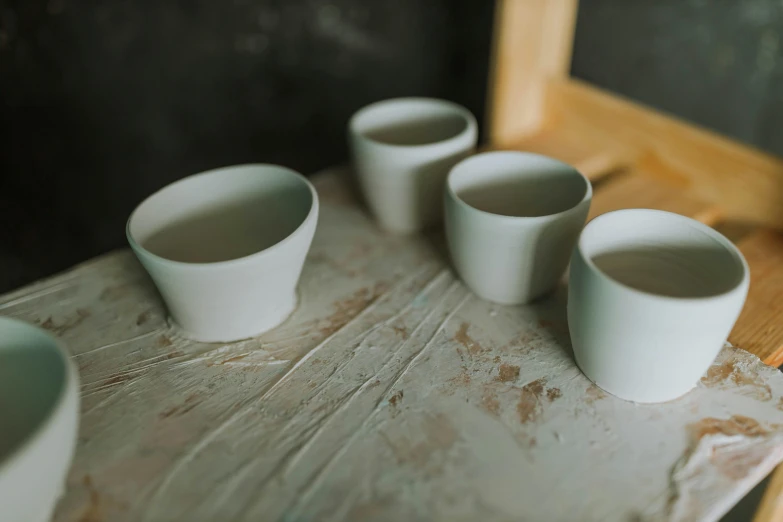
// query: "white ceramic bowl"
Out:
[652,298]
[402,152]
[226,248]
[39,415]
[512,219]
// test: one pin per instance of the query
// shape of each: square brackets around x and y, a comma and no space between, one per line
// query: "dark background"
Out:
[102,103]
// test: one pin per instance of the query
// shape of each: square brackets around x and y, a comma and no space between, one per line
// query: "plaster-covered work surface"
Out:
[392,393]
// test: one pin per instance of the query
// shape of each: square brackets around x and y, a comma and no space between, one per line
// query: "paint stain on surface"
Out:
[734,464]
[235,358]
[594,394]
[532,397]
[735,425]
[348,308]
[463,379]
[435,435]
[93,511]
[507,373]
[401,331]
[142,318]
[176,411]
[72,322]
[396,398]
[117,378]
[467,341]
[728,372]
[737,465]
[529,404]
[489,401]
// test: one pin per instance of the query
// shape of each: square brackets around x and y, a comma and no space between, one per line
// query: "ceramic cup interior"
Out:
[411,122]
[222,215]
[518,184]
[33,375]
[662,254]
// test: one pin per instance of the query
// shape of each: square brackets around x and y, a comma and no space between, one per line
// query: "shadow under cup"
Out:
[226,247]
[652,298]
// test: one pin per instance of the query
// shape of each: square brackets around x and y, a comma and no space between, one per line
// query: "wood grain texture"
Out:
[391,393]
[759,328]
[532,40]
[632,190]
[574,149]
[747,184]
[771,507]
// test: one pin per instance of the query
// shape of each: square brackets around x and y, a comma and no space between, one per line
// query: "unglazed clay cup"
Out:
[39,417]
[652,298]
[402,152]
[225,248]
[512,219]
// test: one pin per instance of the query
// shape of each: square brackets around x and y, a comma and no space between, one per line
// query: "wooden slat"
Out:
[633,190]
[759,328]
[746,183]
[592,161]
[532,40]
[771,507]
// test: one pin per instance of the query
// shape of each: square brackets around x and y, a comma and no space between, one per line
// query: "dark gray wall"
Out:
[103,102]
[717,63]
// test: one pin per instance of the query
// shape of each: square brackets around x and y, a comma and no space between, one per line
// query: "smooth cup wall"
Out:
[39,415]
[225,248]
[512,219]
[652,298]
[402,151]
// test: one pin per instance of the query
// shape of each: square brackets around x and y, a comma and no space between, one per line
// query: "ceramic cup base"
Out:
[270,322]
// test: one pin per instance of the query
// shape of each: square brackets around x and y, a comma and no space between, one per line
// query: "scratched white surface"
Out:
[392,393]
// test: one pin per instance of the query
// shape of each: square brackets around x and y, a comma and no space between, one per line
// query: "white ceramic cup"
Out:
[652,298]
[39,418]
[402,152]
[226,247]
[512,219]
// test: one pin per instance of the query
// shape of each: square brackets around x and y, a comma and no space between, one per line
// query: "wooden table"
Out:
[391,393]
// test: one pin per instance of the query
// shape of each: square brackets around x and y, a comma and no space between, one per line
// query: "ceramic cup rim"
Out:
[470,121]
[70,381]
[522,156]
[265,252]
[740,263]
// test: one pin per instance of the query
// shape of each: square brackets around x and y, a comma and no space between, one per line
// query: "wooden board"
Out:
[632,190]
[760,326]
[392,393]
[531,41]
[747,184]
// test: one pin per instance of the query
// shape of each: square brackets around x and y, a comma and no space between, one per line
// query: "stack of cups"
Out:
[652,295]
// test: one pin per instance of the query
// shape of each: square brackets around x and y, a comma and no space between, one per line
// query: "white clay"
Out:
[402,152]
[39,410]
[226,247]
[512,219]
[652,298]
